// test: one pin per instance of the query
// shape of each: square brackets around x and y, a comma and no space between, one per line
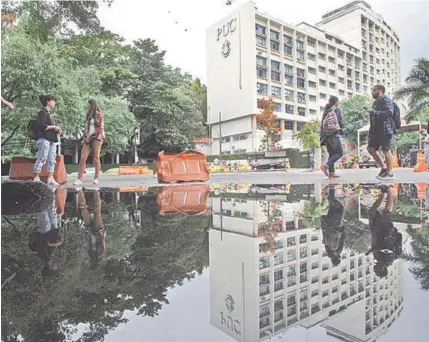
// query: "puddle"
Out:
[217,263]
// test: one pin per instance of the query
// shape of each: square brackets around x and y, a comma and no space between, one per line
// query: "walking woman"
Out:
[330,136]
[93,139]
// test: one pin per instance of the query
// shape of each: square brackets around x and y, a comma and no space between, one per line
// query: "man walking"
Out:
[381,131]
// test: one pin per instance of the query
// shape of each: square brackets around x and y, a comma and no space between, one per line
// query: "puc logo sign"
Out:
[227,28]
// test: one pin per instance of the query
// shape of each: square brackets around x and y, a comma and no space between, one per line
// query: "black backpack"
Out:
[396,116]
[32,129]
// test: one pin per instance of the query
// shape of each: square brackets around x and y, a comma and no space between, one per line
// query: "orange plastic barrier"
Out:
[395,189]
[134,170]
[421,165]
[421,190]
[133,188]
[188,166]
[187,199]
[21,168]
[60,200]
[395,161]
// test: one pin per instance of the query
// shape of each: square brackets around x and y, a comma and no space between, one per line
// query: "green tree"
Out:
[354,115]
[312,212]
[416,91]
[403,142]
[419,256]
[310,135]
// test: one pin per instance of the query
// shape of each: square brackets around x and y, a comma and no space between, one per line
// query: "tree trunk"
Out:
[317,158]
[76,153]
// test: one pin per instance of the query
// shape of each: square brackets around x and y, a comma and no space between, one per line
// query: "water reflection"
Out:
[278,256]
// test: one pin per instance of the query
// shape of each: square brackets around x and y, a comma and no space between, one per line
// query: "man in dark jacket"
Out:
[381,131]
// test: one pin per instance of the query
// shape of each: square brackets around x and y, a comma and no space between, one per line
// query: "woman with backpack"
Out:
[330,136]
[93,139]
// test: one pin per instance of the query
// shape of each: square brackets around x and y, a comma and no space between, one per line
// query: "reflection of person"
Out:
[91,216]
[425,143]
[6,103]
[332,228]
[386,240]
[47,238]
[93,139]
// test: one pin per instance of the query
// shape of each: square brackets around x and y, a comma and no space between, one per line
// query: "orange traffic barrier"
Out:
[421,165]
[187,199]
[134,170]
[21,168]
[133,188]
[395,161]
[421,190]
[395,189]
[187,166]
[60,200]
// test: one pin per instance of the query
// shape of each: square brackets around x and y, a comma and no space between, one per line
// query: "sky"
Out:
[179,26]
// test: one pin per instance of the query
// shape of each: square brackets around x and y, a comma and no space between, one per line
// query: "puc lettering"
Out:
[227,28]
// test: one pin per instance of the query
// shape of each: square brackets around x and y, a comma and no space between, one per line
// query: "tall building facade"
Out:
[252,55]
[257,293]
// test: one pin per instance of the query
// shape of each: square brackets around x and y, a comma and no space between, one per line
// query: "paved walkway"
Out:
[271,177]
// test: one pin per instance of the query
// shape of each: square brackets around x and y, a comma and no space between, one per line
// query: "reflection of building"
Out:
[296,284]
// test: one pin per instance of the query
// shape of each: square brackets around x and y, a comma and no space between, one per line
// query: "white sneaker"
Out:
[96,181]
[51,181]
[36,179]
[77,182]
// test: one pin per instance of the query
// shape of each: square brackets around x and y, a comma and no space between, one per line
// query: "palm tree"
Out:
[419,256]
[416,90]
[311,214]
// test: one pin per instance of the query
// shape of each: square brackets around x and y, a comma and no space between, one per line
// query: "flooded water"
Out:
[217,263]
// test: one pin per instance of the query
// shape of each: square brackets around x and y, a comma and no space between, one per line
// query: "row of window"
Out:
[235,138]
[261,34]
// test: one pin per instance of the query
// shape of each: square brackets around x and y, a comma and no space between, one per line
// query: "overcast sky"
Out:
[165,21]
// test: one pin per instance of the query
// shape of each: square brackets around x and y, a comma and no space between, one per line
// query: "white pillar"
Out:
[317,158]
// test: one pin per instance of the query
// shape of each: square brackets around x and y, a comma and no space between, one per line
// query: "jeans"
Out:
[335,151]
[46,153]
[427,154]
[48,220]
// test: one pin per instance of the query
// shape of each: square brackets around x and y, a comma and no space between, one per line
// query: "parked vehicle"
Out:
[268,164]
[367,161]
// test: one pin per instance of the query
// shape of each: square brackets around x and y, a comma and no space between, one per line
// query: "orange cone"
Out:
[395,162]
[421,165]
[421,190]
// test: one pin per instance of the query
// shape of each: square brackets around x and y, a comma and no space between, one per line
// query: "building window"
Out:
[322,55]
[289,80]
[288,40]
[312,98]
[314,251]
[357,86]
[288,94]
[275,65]
[312,70]
[276,91]
[261,72]
[349,84]
[300,83]
[357,74]
[300,72]
[291,281]
[275,46]
[331,72]
[322,96]
[300,55]
[340,67]
[322,69]
[311,42]
[303,238]
[291,256]
[340,53]
[277,107]
[341,92]
[288,69]
[274,35]
[301,111]
[262,88]
[299,44]
[264,279]
[288,50]
[301,98]
[261,41]
[311,56]
[288,125]
[259,104]
[289,109]
[278,259]
[261,61]
[260,29]
[322,82]
[312,84]
[275,76]
[278,305]
[291,241]
[331,59]
[264,262]
[341,79]
[303,266]
[322,108]
[332,85]
[313,112]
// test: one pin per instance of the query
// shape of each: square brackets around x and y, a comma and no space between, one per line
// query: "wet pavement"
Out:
[244,262]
